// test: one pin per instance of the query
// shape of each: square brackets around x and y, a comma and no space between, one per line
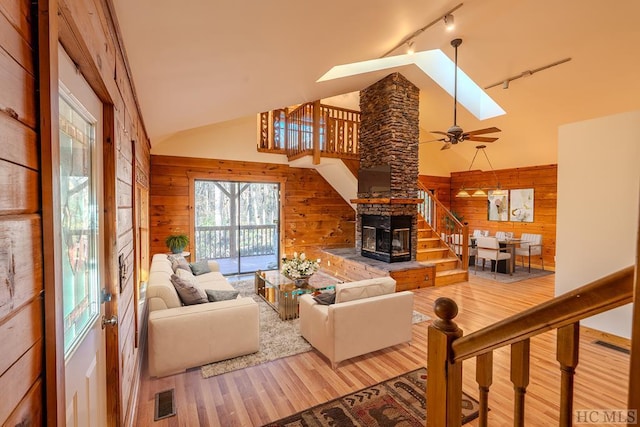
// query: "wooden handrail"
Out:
[451,226]
[601,295]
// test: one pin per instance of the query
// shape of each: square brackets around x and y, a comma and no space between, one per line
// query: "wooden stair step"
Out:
[429,254]
[444,264]
[449,277]
[429,242]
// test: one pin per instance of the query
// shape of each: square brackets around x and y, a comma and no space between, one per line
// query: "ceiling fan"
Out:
[455,134]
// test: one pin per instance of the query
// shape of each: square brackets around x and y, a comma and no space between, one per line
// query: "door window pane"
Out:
[79,221]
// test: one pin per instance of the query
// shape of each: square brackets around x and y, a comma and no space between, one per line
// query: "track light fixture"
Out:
[410,48]
[448,22]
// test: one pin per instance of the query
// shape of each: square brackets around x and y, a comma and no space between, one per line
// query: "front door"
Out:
[80,116]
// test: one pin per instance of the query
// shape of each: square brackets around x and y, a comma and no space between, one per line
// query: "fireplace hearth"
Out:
[386,238]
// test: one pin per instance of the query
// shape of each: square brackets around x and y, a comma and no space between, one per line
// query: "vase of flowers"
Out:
[299,268]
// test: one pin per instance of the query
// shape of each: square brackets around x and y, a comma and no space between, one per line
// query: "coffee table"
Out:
[282,294]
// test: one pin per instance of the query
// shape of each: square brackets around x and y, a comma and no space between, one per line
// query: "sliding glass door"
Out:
[236,223]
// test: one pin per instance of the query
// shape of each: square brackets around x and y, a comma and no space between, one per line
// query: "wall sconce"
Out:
[411,48]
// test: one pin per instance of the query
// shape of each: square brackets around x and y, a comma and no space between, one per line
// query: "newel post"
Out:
[444,377]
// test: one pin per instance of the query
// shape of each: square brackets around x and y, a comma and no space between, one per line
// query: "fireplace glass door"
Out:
[400,242]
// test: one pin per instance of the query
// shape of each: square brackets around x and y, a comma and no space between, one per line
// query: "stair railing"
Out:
[448,348]
[445,224]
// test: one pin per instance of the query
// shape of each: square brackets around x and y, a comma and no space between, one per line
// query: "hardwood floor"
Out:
[260,394]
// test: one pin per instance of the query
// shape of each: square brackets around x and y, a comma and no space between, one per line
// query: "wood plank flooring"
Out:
[260,394]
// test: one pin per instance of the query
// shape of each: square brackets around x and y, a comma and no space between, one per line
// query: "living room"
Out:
[572,111]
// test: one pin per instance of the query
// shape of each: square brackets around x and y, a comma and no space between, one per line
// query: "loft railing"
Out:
[445,224]
[448,348]
[311,128]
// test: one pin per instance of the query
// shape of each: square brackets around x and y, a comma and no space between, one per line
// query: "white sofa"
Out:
[367,315]
[182,337]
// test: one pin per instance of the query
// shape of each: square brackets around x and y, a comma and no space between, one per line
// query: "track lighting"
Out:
[410,48]
[448,22]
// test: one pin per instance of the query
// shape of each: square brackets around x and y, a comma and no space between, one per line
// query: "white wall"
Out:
[232,140]
[597,219]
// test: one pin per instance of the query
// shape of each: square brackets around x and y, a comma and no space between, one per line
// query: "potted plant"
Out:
[177,242]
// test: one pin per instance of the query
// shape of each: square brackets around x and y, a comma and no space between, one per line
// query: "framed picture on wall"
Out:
[498,205]
[521,208]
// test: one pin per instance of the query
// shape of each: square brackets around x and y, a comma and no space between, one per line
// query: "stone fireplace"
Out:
[387,216]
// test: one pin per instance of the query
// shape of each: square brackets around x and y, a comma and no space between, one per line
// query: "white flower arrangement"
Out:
[299,266]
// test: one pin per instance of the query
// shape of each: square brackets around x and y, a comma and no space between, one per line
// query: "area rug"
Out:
[278,338]
[399,401]
[518,275]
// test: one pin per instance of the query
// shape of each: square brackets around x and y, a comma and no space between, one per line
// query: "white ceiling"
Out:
[198,62]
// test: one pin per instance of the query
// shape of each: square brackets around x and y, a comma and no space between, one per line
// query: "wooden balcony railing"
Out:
[215,242]
[448,348]
[445,224]
[310,129]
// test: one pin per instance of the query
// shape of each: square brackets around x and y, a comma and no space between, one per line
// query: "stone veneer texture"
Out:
[389,134]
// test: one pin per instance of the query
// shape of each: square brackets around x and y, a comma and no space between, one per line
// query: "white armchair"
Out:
[489,248]
[530,245]
[368,315]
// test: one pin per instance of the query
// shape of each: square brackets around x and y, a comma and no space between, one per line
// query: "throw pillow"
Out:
[188,293]
[178,261]
[218,295]
[200,267]
[325,298]
[186,275]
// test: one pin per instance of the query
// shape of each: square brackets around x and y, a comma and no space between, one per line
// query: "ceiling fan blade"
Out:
[440,132]
[482,138]
[446,146]
[432,140]
[483,131]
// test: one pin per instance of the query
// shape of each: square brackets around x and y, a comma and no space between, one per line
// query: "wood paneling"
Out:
[21,279]
[313,214]
[440,185]
[543,180]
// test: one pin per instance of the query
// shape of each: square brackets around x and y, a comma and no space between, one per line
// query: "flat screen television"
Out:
[375,180]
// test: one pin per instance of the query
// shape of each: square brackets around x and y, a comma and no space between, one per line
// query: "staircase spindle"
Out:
[519,378]
[567,355]
[484,378]
[444,387]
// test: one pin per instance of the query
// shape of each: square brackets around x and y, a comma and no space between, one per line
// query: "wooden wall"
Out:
[314,215]
[543,179]
[21,282]
[22,265]
[441,186]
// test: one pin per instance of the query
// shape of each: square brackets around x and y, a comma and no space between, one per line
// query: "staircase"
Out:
[433,250]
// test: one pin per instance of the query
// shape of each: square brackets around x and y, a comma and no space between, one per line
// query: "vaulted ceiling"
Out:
[197,62]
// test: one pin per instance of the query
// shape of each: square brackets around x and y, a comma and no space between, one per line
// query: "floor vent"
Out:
[613,346]
[165,405]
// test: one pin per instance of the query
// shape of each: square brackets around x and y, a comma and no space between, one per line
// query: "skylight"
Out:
[436,65]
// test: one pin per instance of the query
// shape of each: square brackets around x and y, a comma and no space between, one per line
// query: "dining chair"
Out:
[489,248]
[501,235]
[530,245]
[479,233]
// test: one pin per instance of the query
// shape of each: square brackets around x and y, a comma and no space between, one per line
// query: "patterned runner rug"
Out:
[399,401]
